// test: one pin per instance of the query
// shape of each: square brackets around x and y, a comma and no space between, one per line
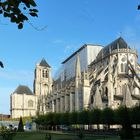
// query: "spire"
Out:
[78,68]
[44,63]
[97,99]
[127,98]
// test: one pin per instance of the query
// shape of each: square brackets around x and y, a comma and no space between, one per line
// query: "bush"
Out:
[6,134]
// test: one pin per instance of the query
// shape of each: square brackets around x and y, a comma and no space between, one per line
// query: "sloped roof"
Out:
[23,90]
[44,63]
[117,44]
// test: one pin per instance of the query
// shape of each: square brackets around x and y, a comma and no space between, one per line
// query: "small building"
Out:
[23,102]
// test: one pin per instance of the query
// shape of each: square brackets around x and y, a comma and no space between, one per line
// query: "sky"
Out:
[63,27]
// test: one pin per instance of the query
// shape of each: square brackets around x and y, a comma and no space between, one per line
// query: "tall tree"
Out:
[20,125]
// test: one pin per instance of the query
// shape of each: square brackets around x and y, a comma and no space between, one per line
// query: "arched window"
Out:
[124,67]
[30,103]
[45,74]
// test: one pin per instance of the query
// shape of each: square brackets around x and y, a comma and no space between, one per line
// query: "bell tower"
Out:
[43,79]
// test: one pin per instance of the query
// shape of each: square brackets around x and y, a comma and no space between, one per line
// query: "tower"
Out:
[42,85]
[43,79]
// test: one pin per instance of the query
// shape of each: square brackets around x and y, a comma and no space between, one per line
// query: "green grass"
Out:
[59,136]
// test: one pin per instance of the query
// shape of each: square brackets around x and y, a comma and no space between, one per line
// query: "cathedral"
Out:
[94,76]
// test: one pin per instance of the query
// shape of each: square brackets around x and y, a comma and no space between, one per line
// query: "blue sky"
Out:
[69,24]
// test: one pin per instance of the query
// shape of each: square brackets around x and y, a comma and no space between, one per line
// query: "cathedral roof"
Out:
[23,90]
[44,63]
[117,44]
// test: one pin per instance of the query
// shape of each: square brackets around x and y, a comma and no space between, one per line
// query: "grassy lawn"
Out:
[41,136]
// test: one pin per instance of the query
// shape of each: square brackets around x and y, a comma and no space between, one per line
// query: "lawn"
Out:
[59,136]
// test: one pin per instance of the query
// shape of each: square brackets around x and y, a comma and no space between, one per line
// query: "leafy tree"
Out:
[20,125]
[17,10]
[83,117]
[123,114]
[56,118]
[135,115]
[73,117]
[95,117]
[49,119]
[108,117]
[6,134]
[40,120]
[64,119]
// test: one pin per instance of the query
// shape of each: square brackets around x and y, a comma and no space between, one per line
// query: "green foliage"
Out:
[56,118]
[6,134]
[15,10]
[122,116]
[20,125]
[83,117]
[108,116]
[48,136]
[81,135]
[64,119]
[135,115]
[95,116]
[73,118]
[124,119]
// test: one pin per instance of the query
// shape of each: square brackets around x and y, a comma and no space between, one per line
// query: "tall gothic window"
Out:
[124,67]
[30,103]
[45,74]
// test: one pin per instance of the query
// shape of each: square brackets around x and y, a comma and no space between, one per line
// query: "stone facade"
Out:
[114,76]
[42,85]
[111,80]
[23,102]
[92,77]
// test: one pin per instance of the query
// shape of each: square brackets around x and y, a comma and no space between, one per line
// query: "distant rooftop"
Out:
[21,89]
[85,45]
[44,63]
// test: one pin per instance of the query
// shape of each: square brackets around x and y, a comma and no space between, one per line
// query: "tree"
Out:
[64,119]
[95,117]
[83,117]
[108,117]
[20,125]
[17,10]
[123,114]
[135,115]
[73,116]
